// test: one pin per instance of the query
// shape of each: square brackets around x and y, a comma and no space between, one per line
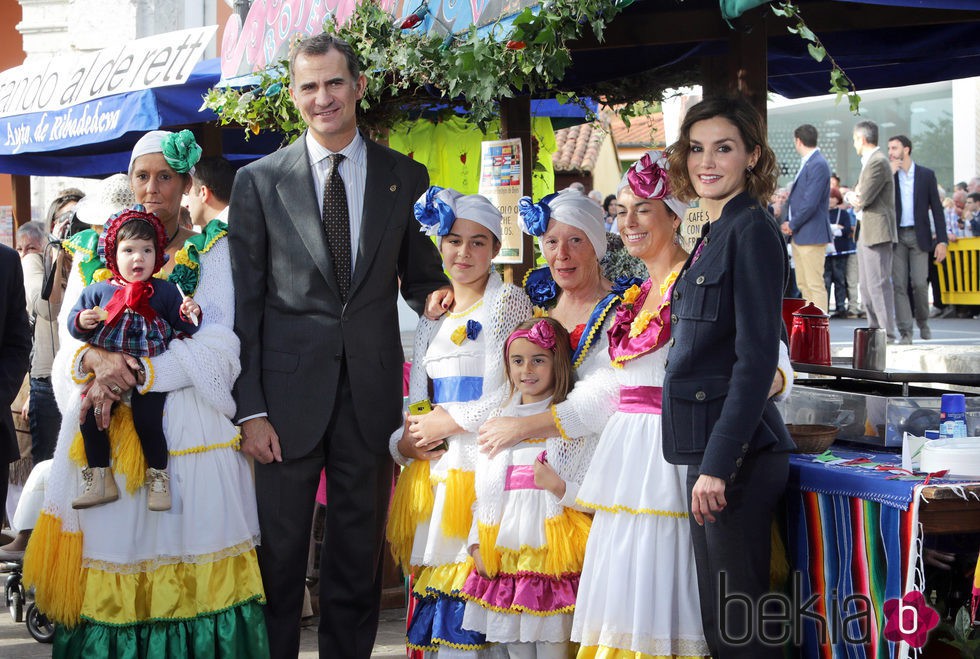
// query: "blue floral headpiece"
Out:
[434,214]
[534,216]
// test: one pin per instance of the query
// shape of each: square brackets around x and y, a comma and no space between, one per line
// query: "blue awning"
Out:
[96,137]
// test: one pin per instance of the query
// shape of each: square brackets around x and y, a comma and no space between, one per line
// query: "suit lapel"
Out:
[297,192]
[380,191]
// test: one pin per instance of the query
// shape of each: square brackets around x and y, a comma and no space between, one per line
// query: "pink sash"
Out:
[641,399]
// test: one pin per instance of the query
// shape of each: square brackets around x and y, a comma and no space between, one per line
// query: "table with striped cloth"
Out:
[854,541]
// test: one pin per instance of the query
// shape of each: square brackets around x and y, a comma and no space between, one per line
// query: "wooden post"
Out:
[21,187]
[515,121]
[743,70]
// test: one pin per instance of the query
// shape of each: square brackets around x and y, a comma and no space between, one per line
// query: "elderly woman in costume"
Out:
[120,580]
[459,359]
[638,593]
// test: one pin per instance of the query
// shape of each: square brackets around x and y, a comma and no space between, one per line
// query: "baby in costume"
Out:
[134,313]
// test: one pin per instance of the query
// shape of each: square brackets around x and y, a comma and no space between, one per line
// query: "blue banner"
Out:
[99,120]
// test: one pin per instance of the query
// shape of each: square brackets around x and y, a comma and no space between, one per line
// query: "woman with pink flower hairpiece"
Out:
[638,591]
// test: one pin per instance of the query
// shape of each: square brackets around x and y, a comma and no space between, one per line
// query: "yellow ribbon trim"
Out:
[445,644]
[234,443]
[124,449]
[561,429]
[442,579]
[592,332]
[151,375]
[631,511]
[517,608]
[411,503]
[53,565]
[76,361]
[218,235]
[603,652]
[465,312]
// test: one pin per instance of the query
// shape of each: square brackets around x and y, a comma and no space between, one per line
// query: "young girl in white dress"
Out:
[528,543]
[457,369]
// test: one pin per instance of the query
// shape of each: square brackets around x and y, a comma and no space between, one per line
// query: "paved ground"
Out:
[16,642]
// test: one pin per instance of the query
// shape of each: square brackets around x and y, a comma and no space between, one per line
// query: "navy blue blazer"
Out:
[726,325]
[809,199]
[925,197]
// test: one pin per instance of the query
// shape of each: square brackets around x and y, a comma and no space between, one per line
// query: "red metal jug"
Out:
[809,342]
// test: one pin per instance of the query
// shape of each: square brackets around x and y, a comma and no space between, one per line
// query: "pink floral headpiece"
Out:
[647,178]
[541,334]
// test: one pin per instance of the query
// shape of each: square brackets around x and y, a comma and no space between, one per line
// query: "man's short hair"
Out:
[960,186]
[974,197]
[867,130]
[321,44]
[807,134]
[906,142]
[216,173]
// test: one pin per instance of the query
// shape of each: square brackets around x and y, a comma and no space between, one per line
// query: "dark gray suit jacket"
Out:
[925,197]
[294,328]
[15,346]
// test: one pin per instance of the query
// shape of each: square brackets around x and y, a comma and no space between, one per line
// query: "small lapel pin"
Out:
[393,188]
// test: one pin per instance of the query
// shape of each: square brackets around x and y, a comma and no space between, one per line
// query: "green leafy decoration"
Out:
[408,70]
[840,84]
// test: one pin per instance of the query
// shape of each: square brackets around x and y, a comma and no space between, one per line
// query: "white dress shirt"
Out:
[906,182]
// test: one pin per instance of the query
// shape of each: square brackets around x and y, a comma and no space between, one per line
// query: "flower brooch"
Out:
[470,331]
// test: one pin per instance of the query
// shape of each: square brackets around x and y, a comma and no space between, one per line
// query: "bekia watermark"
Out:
[781,618]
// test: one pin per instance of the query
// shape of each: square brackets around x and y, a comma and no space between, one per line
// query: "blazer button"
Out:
[673,319]
[677,294]
[732,477]
[700,280]
[745,448]
[699,395]
[738,462]
[672,341]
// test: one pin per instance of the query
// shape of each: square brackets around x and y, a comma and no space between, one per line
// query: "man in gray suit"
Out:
[319,247]
[874,199]
[808,217]
[916,197]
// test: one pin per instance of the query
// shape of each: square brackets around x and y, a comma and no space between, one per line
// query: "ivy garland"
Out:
[409,71]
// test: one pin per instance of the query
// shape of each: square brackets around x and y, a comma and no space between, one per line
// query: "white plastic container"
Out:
[961,456]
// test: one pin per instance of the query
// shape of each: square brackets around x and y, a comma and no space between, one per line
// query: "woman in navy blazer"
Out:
[726,328]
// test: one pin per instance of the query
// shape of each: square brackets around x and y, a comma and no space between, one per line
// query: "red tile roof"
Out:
[578,147]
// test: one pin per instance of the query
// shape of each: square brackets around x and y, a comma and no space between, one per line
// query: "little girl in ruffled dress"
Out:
[528,540]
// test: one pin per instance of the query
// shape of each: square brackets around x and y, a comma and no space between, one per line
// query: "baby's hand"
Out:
[547,478]
[190,309]
[89,319]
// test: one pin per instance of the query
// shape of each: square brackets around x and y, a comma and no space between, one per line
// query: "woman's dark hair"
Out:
[760,181]
[65,197]
[137,230]
[607,201]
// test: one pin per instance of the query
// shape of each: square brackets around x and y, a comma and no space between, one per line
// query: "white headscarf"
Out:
[571,207]
[438,208]
[152,142]
[647,179]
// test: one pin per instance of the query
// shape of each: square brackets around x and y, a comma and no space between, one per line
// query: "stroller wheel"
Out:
[38,625]
[15,602]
